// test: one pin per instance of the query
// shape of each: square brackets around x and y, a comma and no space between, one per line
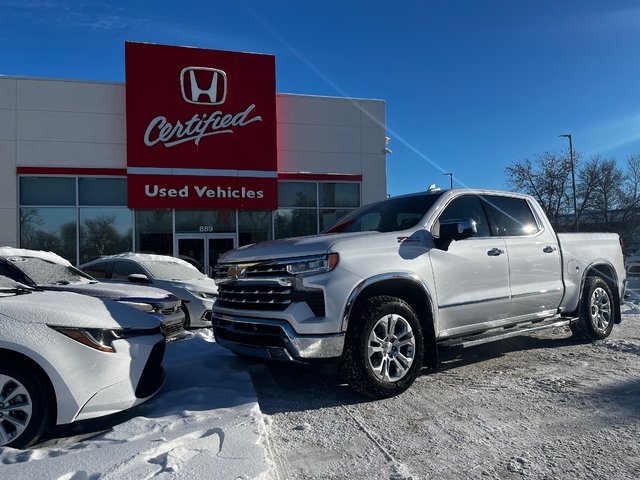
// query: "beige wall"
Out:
[64,123]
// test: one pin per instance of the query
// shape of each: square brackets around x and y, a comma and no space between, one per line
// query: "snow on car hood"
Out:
[201,284]
[73,310]
[114,291]
[289,247]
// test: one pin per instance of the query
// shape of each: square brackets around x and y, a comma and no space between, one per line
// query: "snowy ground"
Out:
[205,423]
[539,407]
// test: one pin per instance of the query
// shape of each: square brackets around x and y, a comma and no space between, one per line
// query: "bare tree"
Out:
[547,179]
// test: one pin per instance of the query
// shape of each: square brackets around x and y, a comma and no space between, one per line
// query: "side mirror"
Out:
[138,278]
[455,230]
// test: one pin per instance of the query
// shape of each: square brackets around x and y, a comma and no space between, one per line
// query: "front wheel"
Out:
[384,348]
[24,412]
[597,311]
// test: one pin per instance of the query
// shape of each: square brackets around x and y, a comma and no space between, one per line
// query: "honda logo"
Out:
[203,83]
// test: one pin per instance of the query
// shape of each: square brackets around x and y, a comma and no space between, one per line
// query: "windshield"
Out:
[10,287]
[43,272]
[391,215]
[171,270]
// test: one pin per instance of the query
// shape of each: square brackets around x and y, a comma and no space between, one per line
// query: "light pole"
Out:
[573,180]
[450,179]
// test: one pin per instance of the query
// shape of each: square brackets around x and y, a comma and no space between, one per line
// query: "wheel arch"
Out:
[607,272]
[22,359]
[408,287]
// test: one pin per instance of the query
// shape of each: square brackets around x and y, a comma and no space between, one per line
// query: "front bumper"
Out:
[273,339]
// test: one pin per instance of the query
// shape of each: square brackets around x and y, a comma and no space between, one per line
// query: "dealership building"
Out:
[194,154]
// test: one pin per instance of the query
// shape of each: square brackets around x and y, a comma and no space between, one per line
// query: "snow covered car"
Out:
[197,291]
[48,271]
[67,357]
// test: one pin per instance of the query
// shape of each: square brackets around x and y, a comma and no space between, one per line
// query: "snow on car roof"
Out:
[150,257]
[23,252]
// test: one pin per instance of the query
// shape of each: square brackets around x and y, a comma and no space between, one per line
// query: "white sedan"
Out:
[67,357]
[197,291]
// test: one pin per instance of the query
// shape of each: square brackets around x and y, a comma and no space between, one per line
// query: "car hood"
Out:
[113,291]
[206,285]
[289,247]
[73,310]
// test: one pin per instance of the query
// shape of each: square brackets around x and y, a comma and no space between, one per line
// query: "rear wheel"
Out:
[384,348]
[24,412]
[597,311]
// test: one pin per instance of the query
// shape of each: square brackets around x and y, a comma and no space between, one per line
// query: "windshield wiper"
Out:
[16,290]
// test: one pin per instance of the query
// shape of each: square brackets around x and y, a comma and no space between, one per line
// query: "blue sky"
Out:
[469,85]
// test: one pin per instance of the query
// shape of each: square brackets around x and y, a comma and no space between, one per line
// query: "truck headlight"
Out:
[311,265]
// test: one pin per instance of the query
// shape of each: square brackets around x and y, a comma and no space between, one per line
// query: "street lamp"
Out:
[573,180]
[450,179]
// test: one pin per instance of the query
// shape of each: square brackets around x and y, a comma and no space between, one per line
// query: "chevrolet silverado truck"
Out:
[390,282]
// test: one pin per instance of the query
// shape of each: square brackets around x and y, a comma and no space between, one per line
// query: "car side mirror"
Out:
[451,230]
[138,278]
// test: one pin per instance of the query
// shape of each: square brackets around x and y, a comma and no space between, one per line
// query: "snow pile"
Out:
[22,252]
[621,345]
[205,423]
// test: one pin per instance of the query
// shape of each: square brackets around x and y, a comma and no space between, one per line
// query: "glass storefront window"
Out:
[154,231]
[254,227]
[47,191]
[329,217]
[50,229]
[297,194]
[102,191]
[339,194]
[104,231]
[295,222]
[203,221]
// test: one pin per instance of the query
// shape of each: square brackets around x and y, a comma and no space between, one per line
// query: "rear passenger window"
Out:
[512,216]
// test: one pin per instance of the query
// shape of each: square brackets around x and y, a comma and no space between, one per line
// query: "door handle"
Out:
[549,249]
[494,252]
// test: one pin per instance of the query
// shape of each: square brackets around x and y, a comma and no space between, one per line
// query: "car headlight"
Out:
[205,295]
[102,339]
[311,265]
[143,307]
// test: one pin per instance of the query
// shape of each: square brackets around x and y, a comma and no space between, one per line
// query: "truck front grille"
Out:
[251,270]
[248,296]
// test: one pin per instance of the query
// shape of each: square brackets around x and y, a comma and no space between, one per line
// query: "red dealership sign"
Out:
[201,128]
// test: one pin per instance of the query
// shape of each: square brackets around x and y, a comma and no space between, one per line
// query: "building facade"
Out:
[95,168]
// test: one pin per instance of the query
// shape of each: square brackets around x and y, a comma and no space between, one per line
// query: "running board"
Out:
[507,332]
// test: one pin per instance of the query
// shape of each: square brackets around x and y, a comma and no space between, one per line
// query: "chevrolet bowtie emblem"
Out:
[234,272]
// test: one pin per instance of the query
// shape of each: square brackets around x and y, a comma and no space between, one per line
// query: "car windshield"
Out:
[391,215]
[43,272]
[10,287]
[171,270]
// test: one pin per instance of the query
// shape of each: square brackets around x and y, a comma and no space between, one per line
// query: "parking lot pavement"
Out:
[543,406]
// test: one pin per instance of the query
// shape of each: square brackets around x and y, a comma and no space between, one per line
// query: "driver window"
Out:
[122,270]
[462,208]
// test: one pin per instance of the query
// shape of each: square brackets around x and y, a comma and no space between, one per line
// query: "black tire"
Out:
[597,311]
[11,377]
[357,364]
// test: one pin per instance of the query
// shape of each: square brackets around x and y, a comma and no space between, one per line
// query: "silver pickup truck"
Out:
[387,284]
